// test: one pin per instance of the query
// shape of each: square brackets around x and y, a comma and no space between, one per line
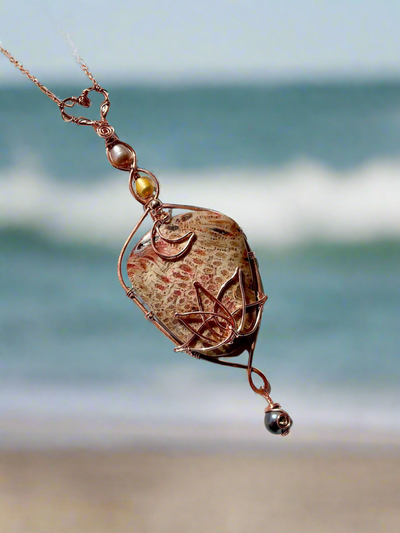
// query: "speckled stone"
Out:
[166,286]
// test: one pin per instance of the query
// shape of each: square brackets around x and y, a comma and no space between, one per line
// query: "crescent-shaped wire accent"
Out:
[190,236]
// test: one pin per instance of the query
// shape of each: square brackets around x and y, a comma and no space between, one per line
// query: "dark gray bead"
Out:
[271,421]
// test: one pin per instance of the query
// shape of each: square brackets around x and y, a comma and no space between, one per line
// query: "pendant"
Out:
[198,278]
[193,275]
[195,278]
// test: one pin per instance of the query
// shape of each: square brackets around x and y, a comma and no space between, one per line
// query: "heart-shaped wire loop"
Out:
[84,101]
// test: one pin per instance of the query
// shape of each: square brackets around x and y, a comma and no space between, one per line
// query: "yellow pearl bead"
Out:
[144,187]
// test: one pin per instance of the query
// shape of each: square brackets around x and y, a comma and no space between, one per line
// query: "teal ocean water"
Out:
[311,173]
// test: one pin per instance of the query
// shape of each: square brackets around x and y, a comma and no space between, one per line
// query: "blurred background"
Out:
[286,118]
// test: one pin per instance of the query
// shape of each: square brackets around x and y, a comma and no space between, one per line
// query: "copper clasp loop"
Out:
[84,101]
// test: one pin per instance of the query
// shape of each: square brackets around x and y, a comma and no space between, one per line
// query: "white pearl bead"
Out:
[121,156]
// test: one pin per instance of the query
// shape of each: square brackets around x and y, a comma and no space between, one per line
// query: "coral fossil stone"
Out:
[167,286]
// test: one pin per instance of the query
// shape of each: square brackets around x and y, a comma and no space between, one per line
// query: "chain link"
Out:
[78,58]
[82,100]
[25,71]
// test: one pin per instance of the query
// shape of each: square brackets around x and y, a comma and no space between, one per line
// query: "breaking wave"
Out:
[290,205]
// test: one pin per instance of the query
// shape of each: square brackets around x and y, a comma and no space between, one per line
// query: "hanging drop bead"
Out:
[277,421]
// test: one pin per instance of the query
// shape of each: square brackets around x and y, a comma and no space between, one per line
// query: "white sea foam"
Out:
[291,205]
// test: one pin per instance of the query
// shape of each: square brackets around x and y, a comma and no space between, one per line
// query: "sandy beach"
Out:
[140,491]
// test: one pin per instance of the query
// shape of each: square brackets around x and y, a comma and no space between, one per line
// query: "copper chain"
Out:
[78,58]
[25,71]
[68,102]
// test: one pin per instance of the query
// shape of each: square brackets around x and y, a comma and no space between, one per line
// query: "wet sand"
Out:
[308,490]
